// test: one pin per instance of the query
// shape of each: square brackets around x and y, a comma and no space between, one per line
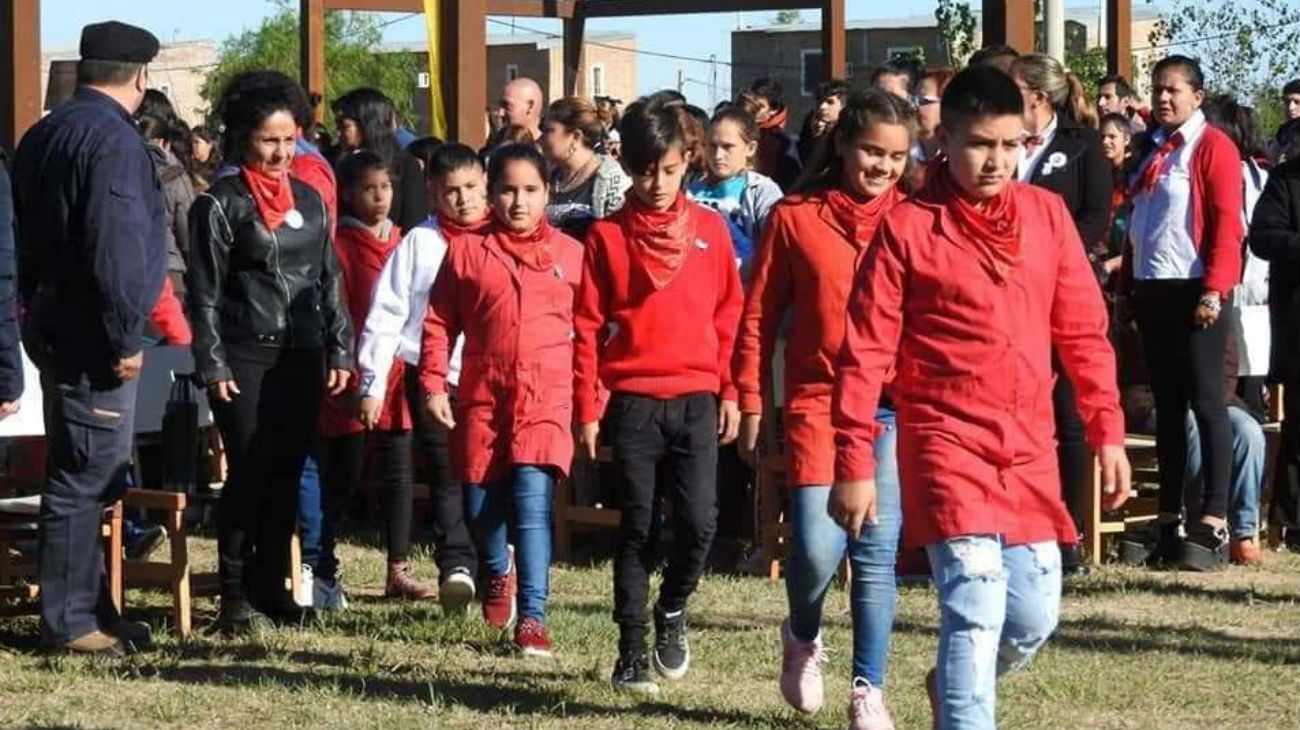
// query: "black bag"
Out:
[180,436]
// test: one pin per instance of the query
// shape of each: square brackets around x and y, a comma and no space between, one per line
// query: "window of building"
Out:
[811,72]
[512,72]
[422,80]
[598,80]
[916,52]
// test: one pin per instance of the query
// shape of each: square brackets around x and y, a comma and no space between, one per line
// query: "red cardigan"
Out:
[661,343]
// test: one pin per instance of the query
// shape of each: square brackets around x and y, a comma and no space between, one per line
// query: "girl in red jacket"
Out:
[511,293]
[804,268]
[656,322]
[364,240]
[966,292]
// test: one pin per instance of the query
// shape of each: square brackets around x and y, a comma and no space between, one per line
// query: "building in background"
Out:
[609,67]
[178,71]
[792,53]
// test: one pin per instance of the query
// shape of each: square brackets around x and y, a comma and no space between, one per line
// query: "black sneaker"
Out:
[1206,548]
[1153,544]
[239,618]
[672,651]
[144,543]
[632,675]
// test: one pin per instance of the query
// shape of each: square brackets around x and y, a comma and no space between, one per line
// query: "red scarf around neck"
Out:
[532,249]
[272,193]
[776,122]
[451,228]
[372,251]
[992,225]
[660,238]
[860,217]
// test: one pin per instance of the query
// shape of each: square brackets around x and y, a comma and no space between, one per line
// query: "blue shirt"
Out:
[91,244]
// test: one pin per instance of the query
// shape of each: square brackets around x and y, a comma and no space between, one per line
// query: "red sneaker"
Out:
[499,600]
[531,638]
[1245,552]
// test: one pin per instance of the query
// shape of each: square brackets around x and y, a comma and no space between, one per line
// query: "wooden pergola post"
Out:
[1010,22]
[311,49]
[20,59]
[574,31]
[1119,37]
[834,39]
[462,64]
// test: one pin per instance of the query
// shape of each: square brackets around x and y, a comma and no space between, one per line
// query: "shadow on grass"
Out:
[1101,634]
[1169,587]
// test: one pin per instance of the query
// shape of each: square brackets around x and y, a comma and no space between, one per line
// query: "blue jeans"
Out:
[817,547]
[487,506]
[310,516]
[1247,471]
[997,606]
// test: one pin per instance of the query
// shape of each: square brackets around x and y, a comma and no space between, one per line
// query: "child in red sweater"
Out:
[966,291]
[364,240]
[511,293]
[656,321]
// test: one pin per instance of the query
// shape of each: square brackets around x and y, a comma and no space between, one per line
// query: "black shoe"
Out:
[144,543]
[632,675]
[672,652]
[134,635]
[1072,563]
[1154,545]
[1206,548]
[239,618]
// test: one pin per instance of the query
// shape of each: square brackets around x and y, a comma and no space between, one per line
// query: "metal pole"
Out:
[1054,23]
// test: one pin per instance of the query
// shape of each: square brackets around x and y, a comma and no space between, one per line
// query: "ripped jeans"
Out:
[997,604]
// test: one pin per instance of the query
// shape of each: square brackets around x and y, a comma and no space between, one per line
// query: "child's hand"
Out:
[728,422]
[750,424]
[588,438]
[439,405]
[338,381]
[1116,477]
[369,412]
[852,505]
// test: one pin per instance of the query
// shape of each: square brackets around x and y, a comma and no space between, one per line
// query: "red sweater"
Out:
[661,343]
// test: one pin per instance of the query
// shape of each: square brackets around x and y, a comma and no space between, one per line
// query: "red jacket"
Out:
[168,317]
[804,264]
[515,400]
[361,257]
[658,343]
[976,432]
[1218,193]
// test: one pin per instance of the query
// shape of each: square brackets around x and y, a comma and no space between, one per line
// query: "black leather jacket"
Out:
[247,285]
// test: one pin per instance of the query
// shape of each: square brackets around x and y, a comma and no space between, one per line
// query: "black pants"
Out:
[1185,365]
[452,544]
[342,463]
[1074,457]
[88,431]
[1285,506]
[679,436]
[268,430]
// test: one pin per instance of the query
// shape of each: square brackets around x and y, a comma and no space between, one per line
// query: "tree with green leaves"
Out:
[956,26]
[350,58]
[1244,47]
[788,17]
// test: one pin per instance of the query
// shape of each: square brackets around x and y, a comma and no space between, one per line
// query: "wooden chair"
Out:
[1141,507]
[571,506]
[18,575]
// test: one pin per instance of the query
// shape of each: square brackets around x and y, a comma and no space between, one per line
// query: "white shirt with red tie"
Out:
[1031,152]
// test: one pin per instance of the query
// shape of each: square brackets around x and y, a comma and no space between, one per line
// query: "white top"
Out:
[1160,227]
[1029,162]
[395,324]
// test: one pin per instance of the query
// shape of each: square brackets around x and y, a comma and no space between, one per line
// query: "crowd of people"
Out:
[978,281]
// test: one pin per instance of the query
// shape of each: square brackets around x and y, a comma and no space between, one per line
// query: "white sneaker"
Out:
[867,709]
[456,592]
[328,595]
[306,587]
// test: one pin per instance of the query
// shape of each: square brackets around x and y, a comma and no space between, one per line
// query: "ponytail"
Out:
[1076,104]
[1046,75]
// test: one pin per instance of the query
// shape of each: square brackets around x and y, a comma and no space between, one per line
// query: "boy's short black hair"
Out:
[981,91]
[832,87]
[451,157]
[1190,67]
[1292,87]
[355,165]
[770,89]
[994,54]
[906,66]
[1122,88]
[648,131]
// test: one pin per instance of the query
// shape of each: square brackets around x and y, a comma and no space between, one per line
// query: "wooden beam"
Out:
[1119,37]
[574,29]
[1010,22]
[20,69]
[311,49]
[462,64]
[621,8]
[834,39]
[521,8]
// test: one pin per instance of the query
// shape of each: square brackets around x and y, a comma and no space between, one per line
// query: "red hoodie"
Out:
[168,317]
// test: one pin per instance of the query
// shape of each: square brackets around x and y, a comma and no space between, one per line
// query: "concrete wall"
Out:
[179,71]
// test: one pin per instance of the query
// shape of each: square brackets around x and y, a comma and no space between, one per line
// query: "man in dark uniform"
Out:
[11,357]
[91,257]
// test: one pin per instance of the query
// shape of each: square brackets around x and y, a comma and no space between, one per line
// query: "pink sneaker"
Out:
[867,708]
[801,671]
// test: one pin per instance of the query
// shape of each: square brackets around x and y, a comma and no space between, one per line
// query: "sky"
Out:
[693,35]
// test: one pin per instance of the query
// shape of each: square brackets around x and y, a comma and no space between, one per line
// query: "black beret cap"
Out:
[114,41]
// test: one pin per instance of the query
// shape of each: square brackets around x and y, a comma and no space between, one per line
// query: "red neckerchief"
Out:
[776,122]
[660,238]
[272,193]
[992,225]
[860,216]
[532,249]
[372,251]
[451,228]
[1151,173]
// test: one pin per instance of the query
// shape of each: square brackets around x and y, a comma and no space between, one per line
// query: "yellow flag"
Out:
[437,113]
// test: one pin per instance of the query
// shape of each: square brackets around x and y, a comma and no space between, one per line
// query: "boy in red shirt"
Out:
[964,294]
[656,321]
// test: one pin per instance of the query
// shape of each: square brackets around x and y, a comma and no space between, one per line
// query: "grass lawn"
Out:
[1135,650]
